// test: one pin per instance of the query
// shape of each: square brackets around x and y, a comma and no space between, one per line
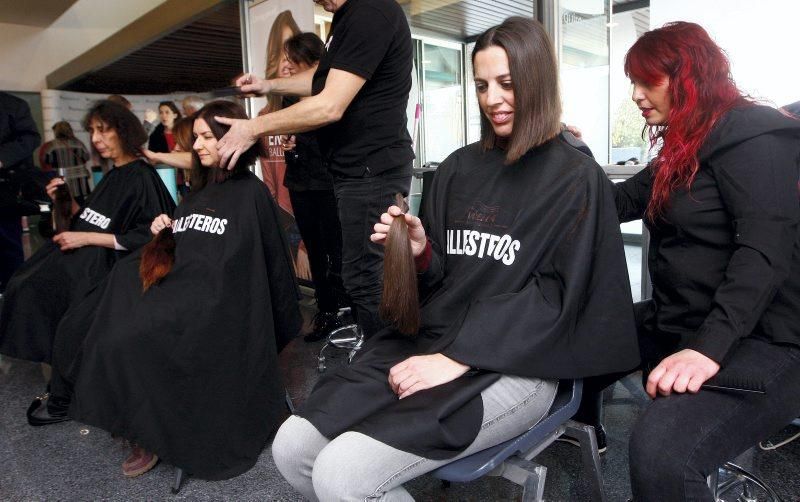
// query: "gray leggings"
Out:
[354,466]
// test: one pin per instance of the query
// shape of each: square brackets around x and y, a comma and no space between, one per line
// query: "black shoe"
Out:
[324,323]
[44,411]
[599,433]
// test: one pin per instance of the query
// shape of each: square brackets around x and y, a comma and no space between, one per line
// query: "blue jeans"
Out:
[360,202]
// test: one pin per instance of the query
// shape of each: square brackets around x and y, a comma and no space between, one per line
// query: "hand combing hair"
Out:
[400,300]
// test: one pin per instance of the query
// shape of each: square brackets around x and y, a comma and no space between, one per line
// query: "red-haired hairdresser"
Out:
[721,203]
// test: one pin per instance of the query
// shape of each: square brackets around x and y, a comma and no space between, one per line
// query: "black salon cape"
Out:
[189,369]
[42,290]
[528,277]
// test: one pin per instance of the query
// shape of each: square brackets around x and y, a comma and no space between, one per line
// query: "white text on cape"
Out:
[201,223]
[482,245]
[94,218]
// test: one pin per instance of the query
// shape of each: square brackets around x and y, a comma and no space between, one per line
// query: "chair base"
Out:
[349,338]
[740,477]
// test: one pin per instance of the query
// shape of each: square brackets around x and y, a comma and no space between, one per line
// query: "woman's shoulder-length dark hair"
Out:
[128,127]
[534,76]
[201,175]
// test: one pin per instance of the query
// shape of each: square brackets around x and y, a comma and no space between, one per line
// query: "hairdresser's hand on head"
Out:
[237,140]
[683,371]
[51,187]
[416,233]
[161,222]
[423,372]
[252,85]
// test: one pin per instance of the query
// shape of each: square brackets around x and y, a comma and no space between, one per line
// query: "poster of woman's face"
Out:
[272,22]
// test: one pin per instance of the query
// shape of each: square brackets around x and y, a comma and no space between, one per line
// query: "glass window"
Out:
[584,58]
[443,101]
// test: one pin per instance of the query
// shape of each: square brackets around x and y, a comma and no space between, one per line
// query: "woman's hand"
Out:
[72,240]
[160,222]
[51,187]
[682,371]
[236,141]
[416,233]
[151,156]
[423,372]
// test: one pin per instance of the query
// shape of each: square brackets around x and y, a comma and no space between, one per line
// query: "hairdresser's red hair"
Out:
[701,89]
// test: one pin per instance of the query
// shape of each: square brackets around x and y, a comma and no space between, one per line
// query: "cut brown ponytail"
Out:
[157,258]
[400,300]
[62,209]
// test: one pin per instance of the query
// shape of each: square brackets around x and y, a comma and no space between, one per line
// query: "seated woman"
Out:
[188,368]
[114,220]
[523,281]
[722,206]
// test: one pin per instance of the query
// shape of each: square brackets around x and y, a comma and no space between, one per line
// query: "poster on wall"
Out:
[271,23]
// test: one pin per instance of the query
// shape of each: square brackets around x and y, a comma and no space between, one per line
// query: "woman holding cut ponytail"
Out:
[170,362]
[522,281]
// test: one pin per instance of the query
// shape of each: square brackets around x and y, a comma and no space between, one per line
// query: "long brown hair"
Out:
[275,52]
[400,300]
[159,254]
[62,209]
[534,74]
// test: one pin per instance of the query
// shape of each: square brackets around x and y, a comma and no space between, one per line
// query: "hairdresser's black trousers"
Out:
[680,439]
[360,202]
[318,220]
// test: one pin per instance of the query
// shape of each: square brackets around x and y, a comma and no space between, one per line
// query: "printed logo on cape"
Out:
[201,223]
[92,217]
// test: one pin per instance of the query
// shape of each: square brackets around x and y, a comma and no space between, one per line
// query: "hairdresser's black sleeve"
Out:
[632,195]
[573,318]
[19,136]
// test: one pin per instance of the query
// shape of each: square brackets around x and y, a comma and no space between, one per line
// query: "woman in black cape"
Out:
[187,370]
[523,281]
[114,220]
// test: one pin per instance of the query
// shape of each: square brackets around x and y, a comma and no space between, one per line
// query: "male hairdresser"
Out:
[359,93]
[19,137]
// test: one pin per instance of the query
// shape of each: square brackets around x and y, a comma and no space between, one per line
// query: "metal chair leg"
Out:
[180,476]
[289,403]
[529,475]
[591,459]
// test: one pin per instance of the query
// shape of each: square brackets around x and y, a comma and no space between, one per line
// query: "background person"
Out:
[509,285]
[359,93]
[19,137]
[313,201]
[191,104]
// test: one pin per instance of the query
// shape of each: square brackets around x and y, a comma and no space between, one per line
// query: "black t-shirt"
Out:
[371,39]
